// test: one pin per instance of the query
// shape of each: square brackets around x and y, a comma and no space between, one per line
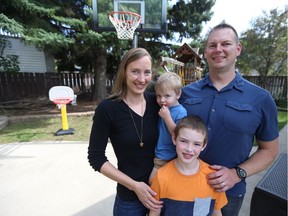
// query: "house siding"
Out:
[30,58]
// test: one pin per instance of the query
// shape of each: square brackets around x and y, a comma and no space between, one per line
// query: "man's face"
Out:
[222,50]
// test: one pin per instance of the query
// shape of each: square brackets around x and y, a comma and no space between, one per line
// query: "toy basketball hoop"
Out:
[125,23]
[62,95]
[61,101]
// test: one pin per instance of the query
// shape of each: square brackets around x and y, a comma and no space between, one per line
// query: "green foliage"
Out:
[186,17]
[10,25]
[8,63]
[65,29]
[265,45]
[48,41]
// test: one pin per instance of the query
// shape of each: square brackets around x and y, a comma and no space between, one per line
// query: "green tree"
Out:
[8,63]
[40,23]
[62,28]
[185,18]
[65,28]
[265,45]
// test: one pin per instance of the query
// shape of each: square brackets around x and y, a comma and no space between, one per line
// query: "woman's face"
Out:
[138,75]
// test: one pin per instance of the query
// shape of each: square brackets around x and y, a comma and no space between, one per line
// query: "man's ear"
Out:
[204,54]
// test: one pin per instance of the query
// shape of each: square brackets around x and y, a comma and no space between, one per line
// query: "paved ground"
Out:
[55,179]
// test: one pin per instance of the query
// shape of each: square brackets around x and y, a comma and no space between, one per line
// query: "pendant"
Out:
[141,144]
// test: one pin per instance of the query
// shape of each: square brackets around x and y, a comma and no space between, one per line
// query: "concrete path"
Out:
[54,178]
[254,180]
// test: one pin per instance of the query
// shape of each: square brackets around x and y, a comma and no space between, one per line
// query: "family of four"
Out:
[184,150]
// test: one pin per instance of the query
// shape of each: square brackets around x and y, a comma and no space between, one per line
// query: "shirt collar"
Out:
[237,82]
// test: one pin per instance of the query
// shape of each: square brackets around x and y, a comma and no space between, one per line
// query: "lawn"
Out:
[44,129]
[282,119]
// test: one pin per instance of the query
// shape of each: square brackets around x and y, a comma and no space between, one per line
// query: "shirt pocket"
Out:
[202,206]
[238,117]
[193,105]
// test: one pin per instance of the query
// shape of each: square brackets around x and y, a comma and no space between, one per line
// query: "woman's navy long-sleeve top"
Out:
[112,120]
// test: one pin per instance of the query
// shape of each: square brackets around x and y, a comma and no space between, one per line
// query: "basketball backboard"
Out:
[61,92]
[153,14]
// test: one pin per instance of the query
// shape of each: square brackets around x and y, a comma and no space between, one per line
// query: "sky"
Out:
[239,13]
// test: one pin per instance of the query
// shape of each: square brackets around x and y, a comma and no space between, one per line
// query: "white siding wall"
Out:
[50,64]
[30,58]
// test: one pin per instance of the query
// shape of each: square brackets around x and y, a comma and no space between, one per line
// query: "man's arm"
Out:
[224,178]
[262,158]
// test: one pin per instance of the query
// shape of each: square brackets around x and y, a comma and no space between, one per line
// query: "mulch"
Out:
[43,106]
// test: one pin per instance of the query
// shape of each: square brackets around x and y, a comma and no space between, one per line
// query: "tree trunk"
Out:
[100,92]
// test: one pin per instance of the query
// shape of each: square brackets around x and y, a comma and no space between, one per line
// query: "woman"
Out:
[129,119]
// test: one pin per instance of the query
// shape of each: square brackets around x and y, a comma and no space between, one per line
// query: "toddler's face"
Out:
[167,98]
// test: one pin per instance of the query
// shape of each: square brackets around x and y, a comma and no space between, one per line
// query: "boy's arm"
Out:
[164,113]
[217,213]
[155,187]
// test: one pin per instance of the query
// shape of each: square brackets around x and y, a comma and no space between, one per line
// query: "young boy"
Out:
[182,183]
[168,90]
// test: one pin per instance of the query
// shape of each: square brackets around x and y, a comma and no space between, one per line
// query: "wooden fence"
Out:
[18,86]
[276,85]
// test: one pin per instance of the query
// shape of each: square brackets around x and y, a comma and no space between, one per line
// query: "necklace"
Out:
[140,136]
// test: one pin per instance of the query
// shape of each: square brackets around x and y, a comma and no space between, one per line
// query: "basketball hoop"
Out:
[61,101]
[62,95]
[125,23]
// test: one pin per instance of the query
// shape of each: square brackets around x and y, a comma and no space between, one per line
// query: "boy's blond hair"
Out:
[169,80]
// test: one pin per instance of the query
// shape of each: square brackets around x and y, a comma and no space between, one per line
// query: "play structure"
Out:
[186,62]
[61,96]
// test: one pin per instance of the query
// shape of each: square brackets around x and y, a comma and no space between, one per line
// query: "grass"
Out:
[282,119]
[44,129]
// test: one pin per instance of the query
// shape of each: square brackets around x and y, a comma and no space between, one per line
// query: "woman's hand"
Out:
[146,196]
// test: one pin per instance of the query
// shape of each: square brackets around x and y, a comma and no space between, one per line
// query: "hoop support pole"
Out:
[64,117]
[65,129]
[135,40]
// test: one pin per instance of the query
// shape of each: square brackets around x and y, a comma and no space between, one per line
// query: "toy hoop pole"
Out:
[65,128]
[64,117]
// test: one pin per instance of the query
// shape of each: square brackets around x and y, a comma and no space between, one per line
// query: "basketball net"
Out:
[125,23]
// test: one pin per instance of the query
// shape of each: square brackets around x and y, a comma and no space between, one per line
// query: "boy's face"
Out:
[189,144]
[167,97]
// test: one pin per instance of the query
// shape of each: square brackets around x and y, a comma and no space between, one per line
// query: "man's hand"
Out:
[223,178]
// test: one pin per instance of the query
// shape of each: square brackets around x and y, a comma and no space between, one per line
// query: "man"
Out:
[235,111]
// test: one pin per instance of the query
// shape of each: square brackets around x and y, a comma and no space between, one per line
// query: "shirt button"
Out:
[209,128]
[213,110]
